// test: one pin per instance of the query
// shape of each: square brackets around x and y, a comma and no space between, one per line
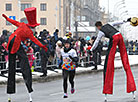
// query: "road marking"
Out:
[58,93]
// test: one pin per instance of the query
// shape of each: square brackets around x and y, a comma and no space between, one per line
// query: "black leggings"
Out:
[71,75]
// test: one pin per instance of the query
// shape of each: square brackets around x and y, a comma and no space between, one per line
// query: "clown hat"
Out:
[31,16]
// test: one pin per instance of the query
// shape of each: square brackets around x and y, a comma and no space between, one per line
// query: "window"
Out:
[43,7]
[8,23]
[43,21]
[24,6]
[8,7]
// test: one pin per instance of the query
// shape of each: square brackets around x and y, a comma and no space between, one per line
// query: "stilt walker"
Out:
[24,31]
[116,38]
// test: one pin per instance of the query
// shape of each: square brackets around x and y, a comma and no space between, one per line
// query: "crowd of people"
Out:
[23,45]
[54,44]
[132,47]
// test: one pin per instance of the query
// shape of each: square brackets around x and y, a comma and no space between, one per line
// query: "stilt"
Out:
[105,97]
[134,97]
[30,96]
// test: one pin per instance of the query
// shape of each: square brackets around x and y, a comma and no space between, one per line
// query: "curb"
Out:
[37,79]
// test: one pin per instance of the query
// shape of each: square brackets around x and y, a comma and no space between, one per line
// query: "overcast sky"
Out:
[131,6]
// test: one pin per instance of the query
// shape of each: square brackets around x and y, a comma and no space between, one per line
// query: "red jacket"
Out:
[22,33]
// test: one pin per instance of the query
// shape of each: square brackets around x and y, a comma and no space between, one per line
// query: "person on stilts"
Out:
[15,47]
[116,39]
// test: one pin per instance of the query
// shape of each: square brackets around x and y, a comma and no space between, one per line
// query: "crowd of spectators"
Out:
[132,47]
[54,44]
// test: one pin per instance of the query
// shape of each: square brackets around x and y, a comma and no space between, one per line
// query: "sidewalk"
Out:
[80,70]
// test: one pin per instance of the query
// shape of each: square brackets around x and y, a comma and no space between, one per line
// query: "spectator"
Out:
[4,45]
[30,54]
[44,39]
[56,35]
[3,56]
[58,53]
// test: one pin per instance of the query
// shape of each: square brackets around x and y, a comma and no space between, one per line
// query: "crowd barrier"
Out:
[36,63]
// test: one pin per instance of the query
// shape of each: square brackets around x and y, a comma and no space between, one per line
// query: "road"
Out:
[88,89]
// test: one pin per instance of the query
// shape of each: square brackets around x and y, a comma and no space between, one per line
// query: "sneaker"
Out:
[72,91]
[65,95]
[44,75]
[9,100]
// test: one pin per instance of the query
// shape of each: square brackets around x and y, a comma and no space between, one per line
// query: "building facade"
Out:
[91,11]
[49,13]
[82,11]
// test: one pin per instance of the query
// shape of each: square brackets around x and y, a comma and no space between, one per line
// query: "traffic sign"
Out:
[12,17]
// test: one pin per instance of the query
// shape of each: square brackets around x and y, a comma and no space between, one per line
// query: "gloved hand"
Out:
[74,59]
[129,20]
[71,57]
[4,16]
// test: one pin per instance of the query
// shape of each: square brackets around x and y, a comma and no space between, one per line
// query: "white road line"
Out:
[58,93]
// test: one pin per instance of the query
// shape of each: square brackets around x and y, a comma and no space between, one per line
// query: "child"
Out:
[30,54]
[58,53]
[69,58]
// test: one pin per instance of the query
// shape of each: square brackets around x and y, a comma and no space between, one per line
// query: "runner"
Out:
[69,58]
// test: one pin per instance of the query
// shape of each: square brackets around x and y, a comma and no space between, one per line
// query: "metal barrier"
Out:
[2,64]
[82,60]
[38,61]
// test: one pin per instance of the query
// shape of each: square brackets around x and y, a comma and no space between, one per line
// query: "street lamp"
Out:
[119,8]
[60,17]
[108,11]
[123,13]
[19,5]
[56,14]
[116,8]
[117,5]
[119,2]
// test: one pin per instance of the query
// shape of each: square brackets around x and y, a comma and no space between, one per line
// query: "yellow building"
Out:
[49,13]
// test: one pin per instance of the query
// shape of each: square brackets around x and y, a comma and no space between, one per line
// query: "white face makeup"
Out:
[33,29]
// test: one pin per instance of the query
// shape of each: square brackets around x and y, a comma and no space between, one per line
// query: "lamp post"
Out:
[56,15]
[72,17]
[19,5]
[108,11]
[119,8]
[117,5]
[119,2]
[123,13]
[60,17]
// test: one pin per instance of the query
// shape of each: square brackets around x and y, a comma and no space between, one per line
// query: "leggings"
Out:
[71,75]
